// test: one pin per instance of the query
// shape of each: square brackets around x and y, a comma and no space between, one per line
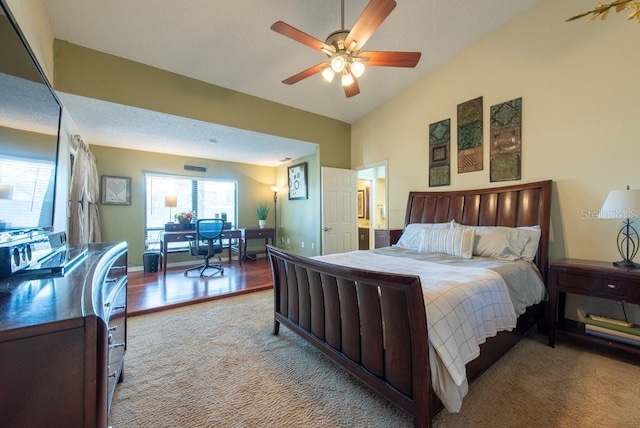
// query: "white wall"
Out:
[578,83]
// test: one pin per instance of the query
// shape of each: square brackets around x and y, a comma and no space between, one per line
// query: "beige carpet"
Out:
[216,364]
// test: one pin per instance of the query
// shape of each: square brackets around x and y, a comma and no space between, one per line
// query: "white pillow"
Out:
[531,248]
[498,242]
[410,238]
[456,242]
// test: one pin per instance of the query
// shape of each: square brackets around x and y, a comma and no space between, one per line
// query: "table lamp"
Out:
[624,204]
[171,202]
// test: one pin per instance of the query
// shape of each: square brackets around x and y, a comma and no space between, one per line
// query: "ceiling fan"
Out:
[344,48]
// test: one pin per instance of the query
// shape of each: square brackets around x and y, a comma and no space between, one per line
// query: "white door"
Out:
[339,213]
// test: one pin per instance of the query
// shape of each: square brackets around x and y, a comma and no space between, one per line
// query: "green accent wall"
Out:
[93,74]
[126,222]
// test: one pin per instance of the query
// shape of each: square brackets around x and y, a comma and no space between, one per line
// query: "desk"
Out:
[265,233]
[169,237]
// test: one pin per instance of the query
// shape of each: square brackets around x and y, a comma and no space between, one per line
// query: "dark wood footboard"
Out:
[372,324]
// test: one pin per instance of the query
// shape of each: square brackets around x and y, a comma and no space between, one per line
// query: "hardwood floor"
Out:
[150,292]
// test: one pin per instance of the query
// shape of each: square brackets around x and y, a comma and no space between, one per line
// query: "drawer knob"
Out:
[612,286]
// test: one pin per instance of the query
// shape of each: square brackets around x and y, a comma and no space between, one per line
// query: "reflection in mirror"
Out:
[29,127]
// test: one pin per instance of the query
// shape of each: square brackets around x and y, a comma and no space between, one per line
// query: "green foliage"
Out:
[263,210]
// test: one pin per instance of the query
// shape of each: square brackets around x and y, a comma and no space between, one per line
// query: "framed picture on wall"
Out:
[298,181]
[361,203]
[115,190]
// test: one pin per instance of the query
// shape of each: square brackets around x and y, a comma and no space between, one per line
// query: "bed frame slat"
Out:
[316,299]
[304,300]
[397,337]
[292,294]
[371,328]
[350,326]
[332,308]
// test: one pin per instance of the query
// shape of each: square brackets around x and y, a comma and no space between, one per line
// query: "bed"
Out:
[367,310]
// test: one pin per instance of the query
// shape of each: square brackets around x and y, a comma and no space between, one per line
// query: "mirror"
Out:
[29,129]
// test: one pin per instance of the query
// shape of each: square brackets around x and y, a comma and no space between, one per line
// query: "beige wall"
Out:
[580,113]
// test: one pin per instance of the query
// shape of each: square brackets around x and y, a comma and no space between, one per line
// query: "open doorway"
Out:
[372,202]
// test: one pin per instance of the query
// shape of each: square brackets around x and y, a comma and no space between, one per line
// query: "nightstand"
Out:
[386,237]
[588,278]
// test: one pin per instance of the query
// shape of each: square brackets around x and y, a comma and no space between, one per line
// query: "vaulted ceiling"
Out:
[230,44]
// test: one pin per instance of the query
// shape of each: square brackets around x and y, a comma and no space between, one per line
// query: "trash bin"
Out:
[150,260]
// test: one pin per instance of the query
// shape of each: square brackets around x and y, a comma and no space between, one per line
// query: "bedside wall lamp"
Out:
[624,204]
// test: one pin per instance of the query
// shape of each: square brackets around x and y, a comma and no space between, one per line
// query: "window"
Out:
[26,192]
[205,197]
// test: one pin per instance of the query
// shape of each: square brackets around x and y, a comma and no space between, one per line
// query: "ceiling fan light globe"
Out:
[338,63]
[357,68]
[347,79]
[327,74]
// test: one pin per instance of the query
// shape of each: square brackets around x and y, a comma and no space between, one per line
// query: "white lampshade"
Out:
[357,68]
[275,189]
[347,79]
[338,63]
[6,191]
[327,74]
[171,201]
[621,204]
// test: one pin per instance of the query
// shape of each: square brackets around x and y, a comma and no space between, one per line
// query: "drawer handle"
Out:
[116,345]
[612,286]
[114,328]
[110,280]
[114,374]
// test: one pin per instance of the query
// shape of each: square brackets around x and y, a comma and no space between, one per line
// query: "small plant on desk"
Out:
[263,211]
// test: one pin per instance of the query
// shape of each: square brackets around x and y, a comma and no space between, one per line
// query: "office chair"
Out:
[206,243]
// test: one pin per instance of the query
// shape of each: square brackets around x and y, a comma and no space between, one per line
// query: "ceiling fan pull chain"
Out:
[342,16]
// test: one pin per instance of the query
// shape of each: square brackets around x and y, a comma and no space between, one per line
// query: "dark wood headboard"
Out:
[512,206]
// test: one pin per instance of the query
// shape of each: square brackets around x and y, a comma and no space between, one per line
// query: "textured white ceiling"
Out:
[230,44]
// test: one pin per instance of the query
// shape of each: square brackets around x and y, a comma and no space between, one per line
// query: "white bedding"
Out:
[464,306]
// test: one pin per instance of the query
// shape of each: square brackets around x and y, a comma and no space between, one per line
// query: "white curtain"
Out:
[84,183]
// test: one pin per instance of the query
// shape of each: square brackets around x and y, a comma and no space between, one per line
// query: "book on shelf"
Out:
[609,323]
[611,334]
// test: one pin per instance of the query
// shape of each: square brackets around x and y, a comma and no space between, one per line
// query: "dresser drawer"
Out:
[598,284]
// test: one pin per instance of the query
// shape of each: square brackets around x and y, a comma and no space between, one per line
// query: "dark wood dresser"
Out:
[63,341]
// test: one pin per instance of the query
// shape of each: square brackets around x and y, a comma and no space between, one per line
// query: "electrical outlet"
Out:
[282,239]
[288,242]
[313,245]
[302,244]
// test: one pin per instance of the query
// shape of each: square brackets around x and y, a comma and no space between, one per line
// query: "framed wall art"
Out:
[361,203]
[115,190]
[298,181]
[505,161]
[470,136]
[439,153]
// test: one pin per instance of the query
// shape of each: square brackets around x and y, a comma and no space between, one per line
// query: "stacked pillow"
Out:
[498,242]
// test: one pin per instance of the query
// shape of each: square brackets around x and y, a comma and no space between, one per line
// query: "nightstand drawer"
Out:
[598,285]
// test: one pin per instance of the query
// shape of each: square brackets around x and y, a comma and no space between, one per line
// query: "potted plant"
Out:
[263,212]
[184,218]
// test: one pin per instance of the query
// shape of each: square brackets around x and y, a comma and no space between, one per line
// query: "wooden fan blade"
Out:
[306,73]
[371,18]
[390,59]
[300,37]
[353,89]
